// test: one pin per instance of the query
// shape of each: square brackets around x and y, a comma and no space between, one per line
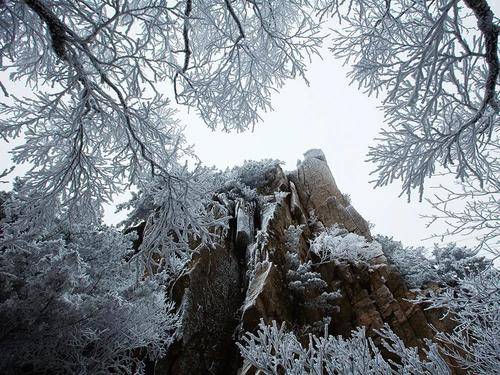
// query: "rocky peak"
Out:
[319,194]
[265,268]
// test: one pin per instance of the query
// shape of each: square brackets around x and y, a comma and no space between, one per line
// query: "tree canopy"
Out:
[105,78]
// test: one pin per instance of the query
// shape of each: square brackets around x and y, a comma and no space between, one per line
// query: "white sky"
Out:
[339,119]
[329,114]
[342,121]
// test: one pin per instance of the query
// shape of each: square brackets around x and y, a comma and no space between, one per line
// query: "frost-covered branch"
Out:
[442,265]
[97,122]
[336,244]
[436,66]
[69,303]
[475,306]
[274,351]
[178,221]
[438,77]
[470,210]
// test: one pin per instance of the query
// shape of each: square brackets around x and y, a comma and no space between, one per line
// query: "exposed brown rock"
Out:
[318,192]
[210,305]
[229,289]
[266,297]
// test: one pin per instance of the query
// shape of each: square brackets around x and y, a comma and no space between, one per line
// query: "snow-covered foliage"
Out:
[307,286]
[248,177]
[178,221]
[438,79]
[436,66]
[474,303]
[413,263]
[470,296]
[469,209]
[273,350]
[453,262]
[336,243]
[100,117]
[71,303]
[444,265]
[292,236]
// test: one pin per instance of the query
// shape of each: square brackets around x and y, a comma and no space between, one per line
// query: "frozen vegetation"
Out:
[103,80]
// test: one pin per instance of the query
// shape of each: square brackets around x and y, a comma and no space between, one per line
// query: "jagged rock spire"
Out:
[258,271]
[319,193]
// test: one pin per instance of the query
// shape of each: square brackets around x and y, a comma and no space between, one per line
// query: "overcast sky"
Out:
[343,122]
[330,115]
[339,119]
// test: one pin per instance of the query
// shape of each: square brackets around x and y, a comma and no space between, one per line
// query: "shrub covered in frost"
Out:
[273,350]
[412,263]
[70,303]
[443,265]
[307,286]
[253,173]
[247,178]
[292,237]
[176,219]
[337,243]
[453,262]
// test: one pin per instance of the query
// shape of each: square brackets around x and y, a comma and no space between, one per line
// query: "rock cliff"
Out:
[264,269]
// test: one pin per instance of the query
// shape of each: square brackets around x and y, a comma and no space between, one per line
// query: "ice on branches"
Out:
[437,76]
[474,304]
[436,67]
[100,118]
[274,350]
[444,265]
[179,218]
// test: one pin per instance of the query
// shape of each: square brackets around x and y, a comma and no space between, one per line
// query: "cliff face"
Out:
[264,269]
